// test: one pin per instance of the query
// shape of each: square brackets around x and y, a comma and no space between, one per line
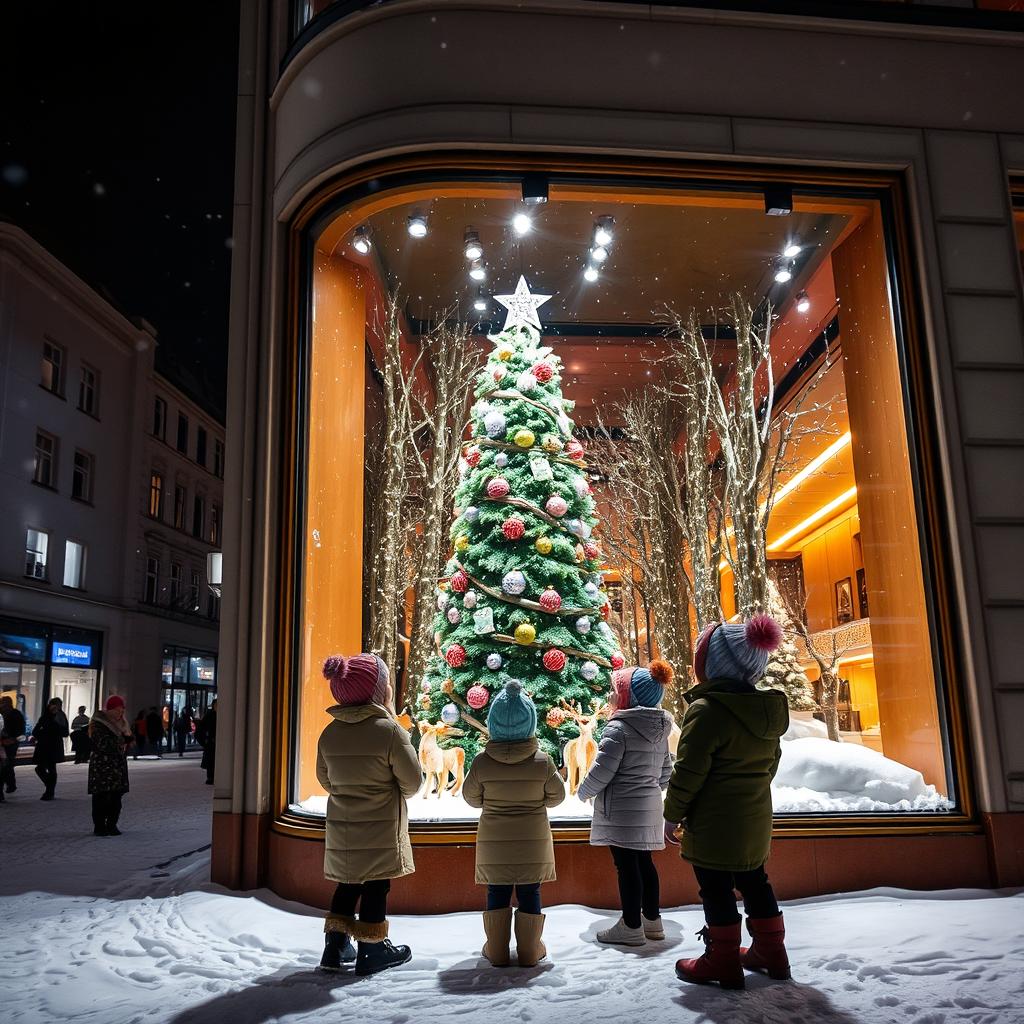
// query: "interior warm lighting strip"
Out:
[814,517]
[870,656]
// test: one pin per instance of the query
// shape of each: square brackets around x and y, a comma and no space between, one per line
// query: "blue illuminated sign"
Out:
[63,653]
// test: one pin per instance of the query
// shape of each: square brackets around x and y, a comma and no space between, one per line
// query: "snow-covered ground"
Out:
[158,945]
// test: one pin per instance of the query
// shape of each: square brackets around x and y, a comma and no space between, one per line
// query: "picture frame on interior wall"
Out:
[862,593]
[844,600]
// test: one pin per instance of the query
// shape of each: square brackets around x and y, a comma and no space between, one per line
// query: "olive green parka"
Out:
[720,787]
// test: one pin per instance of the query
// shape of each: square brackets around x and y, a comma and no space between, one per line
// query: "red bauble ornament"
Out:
[513,528]
[556,505]
[550,600]
[574,450]
[617,660]
[455,655]
[591,549]
[554,660]
[543,372]
[497,487]
[498,374]
[555,717]
[460,582]
[473,457]
[477,697]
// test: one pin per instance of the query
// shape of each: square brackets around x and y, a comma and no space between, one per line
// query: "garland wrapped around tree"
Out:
[523,597]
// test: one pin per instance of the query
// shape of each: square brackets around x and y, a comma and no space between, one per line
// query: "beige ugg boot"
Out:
[498,930]
[529,948]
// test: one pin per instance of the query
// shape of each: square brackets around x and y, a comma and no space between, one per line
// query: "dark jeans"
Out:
[372,898]
[527,896]
[716,893]
[8,772]
[180,741]
[106,809]
[639,886]
[47,775]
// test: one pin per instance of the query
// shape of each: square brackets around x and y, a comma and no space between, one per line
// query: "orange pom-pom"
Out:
[661,672]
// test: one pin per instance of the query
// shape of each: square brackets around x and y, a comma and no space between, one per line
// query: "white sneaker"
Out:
[653,929]
[621,935]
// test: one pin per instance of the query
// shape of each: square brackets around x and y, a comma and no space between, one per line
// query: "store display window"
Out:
[547,426]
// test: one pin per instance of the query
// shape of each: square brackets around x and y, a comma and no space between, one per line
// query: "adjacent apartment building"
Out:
[111,484]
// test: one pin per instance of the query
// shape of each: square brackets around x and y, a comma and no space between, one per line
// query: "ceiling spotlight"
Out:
[599,254]
[474,250]
[477,271]
[361,240]
[603,230]
[480,303]
[522,223]
[417,225]
[535,189]
[792,250]
[590,273]
[778,200]
[783,274]
[803,303]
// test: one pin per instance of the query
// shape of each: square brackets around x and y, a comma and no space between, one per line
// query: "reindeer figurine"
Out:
[580,752]
[438,764]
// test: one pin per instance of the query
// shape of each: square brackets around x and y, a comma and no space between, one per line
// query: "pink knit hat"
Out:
[359,680]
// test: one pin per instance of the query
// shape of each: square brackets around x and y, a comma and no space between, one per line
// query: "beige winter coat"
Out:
[367,764]
[514,783]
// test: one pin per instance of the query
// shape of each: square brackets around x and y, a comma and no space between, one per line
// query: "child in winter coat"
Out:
[513,781]
[367,764]
[720,790]
[626,780]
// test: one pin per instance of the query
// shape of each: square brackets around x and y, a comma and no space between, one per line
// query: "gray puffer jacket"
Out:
[632,767]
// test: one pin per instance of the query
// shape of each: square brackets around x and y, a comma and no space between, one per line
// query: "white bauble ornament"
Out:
[470,598]
[482,409]
[591,591]
[589,671]
[513,582]
[442,601]
[494,423]
[581,486]
[472,514]
[575,527]
[501,460]
[526,382]
[585,530]
[604,629]
[454,616]
[494,661]
[425,686]
[463,467]
[597,578]
[583,624]
[449,714]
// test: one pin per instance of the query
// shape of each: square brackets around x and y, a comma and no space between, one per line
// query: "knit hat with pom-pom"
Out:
[513,716]
[359,680]
[641,687]
[736,650]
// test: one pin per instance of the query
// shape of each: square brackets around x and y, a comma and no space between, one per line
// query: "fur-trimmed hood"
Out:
[118,728]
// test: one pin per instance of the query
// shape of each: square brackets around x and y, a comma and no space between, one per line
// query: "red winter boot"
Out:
[768,951]
[721,959]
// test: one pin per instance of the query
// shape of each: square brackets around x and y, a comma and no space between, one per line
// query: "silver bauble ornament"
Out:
[513,582]
[470,598]
[494,661]
[583,624]
[589,671]
[449,714]
[494,423]
[472,514]
[454,616]
[442,601]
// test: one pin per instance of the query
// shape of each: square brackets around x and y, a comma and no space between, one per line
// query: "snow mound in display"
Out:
[804,728]
[820,775]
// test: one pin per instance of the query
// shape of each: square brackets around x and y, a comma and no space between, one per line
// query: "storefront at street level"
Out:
[884,270]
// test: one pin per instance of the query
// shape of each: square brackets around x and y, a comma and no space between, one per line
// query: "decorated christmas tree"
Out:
[783,671]
[523,595]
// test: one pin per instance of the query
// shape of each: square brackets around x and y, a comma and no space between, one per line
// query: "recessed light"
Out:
[474,250]
[599,254]
[590,273]
[478,272]
[522,223]
[417,225]
[803,303]
[603,230]
[792,250]
[361,240]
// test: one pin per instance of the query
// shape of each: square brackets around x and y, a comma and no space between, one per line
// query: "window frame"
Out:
[195,590]
[83,556]
[180,508]
[160,418]
[44,576]
[923,430]
[155,504]
[175,579]
[55,386]
[151,594]
[182,434]
[90,476]
[52,459]
[199,516]
[86,388]
[218,458]
[201,445]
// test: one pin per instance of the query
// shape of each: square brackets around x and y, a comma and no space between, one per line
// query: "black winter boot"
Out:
[376,953]
[338,949]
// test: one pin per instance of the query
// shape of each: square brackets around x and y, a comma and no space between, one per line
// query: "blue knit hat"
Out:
[736,650]
[641,687]
[512,716]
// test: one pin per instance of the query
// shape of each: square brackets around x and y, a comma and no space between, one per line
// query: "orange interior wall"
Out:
[333,577]
[904,672]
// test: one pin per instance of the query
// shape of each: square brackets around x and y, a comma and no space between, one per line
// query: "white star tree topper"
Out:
[522,306]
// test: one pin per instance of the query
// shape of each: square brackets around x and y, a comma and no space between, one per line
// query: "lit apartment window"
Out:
[160,419]
[198,516]
[193,591]
[36,544]
[182,433]
[152,580]
[74,565]
[53,368]
[156,495]
[45,472]
[201,446]
[218,458]
[89,390]
[180,499]
[175,587]
[81,477]
[215,525]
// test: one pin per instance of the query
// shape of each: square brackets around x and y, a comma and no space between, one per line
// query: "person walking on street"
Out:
[182,728]
[108,765]
[14,726]
[140,735]
[48,740]
[80,736]
[206,736]
[155,731]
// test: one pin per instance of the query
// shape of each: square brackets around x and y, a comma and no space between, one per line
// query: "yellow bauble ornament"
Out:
[462,543]
[552,443]
[425,702]
[525,633]
[543,545]
[448,686]
[524,438]
[505,353]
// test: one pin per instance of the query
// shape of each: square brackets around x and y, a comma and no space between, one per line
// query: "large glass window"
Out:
[710,416]
[74,564]
[45,467]
[156,495]
[37,543]
[89,390]
[82,476]
[52,370]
